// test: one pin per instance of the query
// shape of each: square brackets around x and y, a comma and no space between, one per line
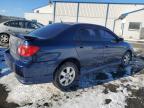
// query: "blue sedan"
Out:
[61,52]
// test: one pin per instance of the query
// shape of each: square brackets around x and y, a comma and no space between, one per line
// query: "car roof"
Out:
[81,24]
[19,20]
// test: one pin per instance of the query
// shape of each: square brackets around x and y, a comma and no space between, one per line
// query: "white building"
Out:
[42,14]
[104,13]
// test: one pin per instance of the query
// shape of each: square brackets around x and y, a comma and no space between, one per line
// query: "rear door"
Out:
[113,50]
[89,47]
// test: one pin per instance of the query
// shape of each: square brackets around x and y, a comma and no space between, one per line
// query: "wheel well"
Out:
[130,53]
[5,33]
[73,60]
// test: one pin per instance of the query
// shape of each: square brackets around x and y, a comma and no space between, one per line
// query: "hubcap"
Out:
[4,38]
[126,59]
[67,76]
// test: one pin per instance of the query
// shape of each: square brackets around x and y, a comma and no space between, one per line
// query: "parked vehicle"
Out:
[61,52]
[15,27]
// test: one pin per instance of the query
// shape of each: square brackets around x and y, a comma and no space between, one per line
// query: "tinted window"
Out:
[50,30]
[18,24]
[31,25]
[88,35]
[134,25]
[14,24]
[21,24]
[107,36]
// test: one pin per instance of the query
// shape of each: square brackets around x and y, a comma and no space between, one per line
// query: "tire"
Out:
[127,57]
[4,38]
[66,76]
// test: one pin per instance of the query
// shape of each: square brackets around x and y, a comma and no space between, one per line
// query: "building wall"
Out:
[135,17]
[41,18]
[66,12]
[88,13]
[42,14]
[45,9]
[96,14]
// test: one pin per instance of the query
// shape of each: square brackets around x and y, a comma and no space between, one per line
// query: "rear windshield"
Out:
[49,31]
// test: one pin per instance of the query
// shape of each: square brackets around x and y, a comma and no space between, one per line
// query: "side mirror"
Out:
[120,39]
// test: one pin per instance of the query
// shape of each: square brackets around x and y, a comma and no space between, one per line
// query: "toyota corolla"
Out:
[61,52]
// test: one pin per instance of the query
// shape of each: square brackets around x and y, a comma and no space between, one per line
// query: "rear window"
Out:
[49,31]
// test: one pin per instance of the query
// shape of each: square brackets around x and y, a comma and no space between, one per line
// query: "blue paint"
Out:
[69,43]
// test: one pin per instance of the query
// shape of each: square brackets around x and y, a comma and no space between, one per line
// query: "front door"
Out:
[89,47]
[113,50]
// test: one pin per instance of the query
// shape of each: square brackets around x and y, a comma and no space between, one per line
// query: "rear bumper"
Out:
[33,73]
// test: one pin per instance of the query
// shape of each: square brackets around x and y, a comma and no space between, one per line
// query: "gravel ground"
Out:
[112,87]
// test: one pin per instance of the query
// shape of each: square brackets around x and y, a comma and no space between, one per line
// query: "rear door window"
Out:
[88,34]
[14,24]
[17,24]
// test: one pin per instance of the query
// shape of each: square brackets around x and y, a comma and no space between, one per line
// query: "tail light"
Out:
[27,50]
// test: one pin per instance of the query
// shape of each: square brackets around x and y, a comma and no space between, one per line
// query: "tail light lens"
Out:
[27,50]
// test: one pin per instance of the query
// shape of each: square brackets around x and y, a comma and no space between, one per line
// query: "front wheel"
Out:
[126,59]
[66,76]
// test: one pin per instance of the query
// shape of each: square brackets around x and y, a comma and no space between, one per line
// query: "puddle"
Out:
[110,73]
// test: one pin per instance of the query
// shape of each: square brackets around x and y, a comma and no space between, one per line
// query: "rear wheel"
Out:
[126,58]
[66,76]
[4,38]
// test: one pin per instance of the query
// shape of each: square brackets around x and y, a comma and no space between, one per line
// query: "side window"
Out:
[14,24]
[21,24]
[134,25]
[107,36]
[88,35]
[97,35]
[31,25]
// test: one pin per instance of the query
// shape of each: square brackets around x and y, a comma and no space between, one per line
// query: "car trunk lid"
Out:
[13,45]
[15,42]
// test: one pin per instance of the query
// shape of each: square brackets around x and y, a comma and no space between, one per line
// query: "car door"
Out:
[89,47]
[113,50]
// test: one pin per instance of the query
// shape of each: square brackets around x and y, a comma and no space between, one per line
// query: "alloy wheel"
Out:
[67,76]
[4,38]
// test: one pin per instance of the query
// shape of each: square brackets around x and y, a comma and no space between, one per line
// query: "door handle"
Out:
[81,47]
[107,46]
